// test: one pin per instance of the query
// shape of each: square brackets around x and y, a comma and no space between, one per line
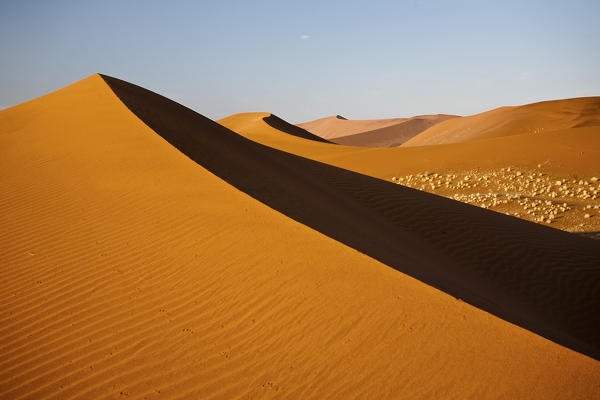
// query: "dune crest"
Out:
[336,126]
[244,120]
[372,133]
[394,135]
[372,216]
[535,118]
[569,155]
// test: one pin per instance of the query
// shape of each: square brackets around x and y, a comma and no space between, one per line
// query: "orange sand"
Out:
[375,133]
[567,151]
[529,119]
[336,126]
[130,270]
[572,154]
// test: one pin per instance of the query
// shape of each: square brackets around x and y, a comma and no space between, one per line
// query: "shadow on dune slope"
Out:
[279,124]
[394,135]
[543,279]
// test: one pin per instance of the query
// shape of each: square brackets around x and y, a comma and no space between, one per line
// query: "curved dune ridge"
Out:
[374,216]
[531,119]
[570,155]
[279,125]
[394,135]
[336,126]
[566,152]
[372,133]
[129,270]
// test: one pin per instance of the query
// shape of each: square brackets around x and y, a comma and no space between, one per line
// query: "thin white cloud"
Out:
[524,76]
[304,37]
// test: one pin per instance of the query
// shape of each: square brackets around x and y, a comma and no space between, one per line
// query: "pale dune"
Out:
[336,126]
[529,119]
[393,135]
[131,269]
[372,133]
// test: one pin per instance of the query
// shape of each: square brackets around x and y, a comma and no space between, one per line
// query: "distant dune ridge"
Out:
[514,174]
[393,135]
[533,118]
[374,133]
[424,130]
[571,152]
[151,252]
[278,124]
[336,126]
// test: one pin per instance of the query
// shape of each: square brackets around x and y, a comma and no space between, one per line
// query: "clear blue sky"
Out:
[307,59]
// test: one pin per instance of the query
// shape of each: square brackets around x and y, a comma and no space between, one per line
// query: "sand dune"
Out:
[132,270]
[336,126]
[366,213]
[568,151]
[374,133]
[393,135]
[279,125]
[536,118]
[570,154]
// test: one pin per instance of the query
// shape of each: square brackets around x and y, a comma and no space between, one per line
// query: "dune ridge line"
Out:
[508,261]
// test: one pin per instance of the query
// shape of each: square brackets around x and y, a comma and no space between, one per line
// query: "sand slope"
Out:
[375,133]
[570,154]
[394,135]
[131,271]
[531,119]
[566,152]
[279,126]
[366,214]
[336,126]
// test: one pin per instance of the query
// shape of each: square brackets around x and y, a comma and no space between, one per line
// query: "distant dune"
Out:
[393,135]
[572,155]
[278,124]
[149,252]
[337,126]
[566,152]
[372,133]
[531,119]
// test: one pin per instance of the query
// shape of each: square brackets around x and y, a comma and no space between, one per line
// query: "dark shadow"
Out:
[591,235]
[543,279]
[284,126]
[340,117]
